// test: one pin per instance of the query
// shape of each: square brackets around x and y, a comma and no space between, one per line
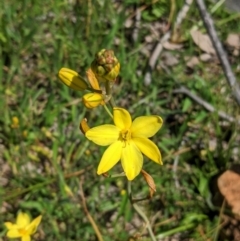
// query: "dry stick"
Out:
[91,220]
[231,79]
[137,25]
[206,105]
[158,49]
[175,176]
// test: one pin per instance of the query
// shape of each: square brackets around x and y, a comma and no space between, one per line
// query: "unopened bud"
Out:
[92,100]
[72,79]
[105,66]
[92,79]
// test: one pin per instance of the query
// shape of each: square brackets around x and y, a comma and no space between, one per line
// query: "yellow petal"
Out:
[110,157]
[26,238]
[72,79]
[23,219]
[92,100]
[92,79]
[13,233]
[9,225]
[149,149]
[103,135]
[32,227]
[146,126]
[132,160]
[122,118]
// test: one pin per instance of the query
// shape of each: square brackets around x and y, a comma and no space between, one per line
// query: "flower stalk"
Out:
[141,213]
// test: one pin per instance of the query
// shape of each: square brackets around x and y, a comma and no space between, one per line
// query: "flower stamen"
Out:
[125,136]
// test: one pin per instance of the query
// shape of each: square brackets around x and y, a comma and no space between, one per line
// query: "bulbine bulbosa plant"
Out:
[127,139]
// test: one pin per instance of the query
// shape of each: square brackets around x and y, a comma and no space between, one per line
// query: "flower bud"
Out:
[72,79]
[92,79]
[92,100]
[105,66]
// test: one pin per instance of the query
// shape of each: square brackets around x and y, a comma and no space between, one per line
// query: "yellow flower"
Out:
[23,227]
[127,140]
[15,122]
[72,79]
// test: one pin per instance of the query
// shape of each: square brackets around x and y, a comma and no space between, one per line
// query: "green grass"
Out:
[41,159]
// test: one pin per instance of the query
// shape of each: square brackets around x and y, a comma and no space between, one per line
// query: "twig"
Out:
[85,209]
[175,176]
[231,79]
[175,165]
[206,105]
[137,25]
[158,49]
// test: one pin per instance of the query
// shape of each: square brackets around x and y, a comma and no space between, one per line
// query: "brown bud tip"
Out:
[150,182]
[83,126]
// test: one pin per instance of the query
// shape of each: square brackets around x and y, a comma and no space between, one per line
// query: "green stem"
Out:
[108,111]
[108,88]
[34,187]
[141,213]
[176,230]
[117,175]
[112,102]
[109,93]
[16,192]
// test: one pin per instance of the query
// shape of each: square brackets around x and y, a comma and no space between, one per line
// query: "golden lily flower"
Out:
[72,79]
[23,227]
[127,140]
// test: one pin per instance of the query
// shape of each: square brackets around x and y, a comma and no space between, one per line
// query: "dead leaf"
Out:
[169,59]
[172,46]
[205,57]
[233,40]
[236,52]
[192,62]
[202,41]
[229,186]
